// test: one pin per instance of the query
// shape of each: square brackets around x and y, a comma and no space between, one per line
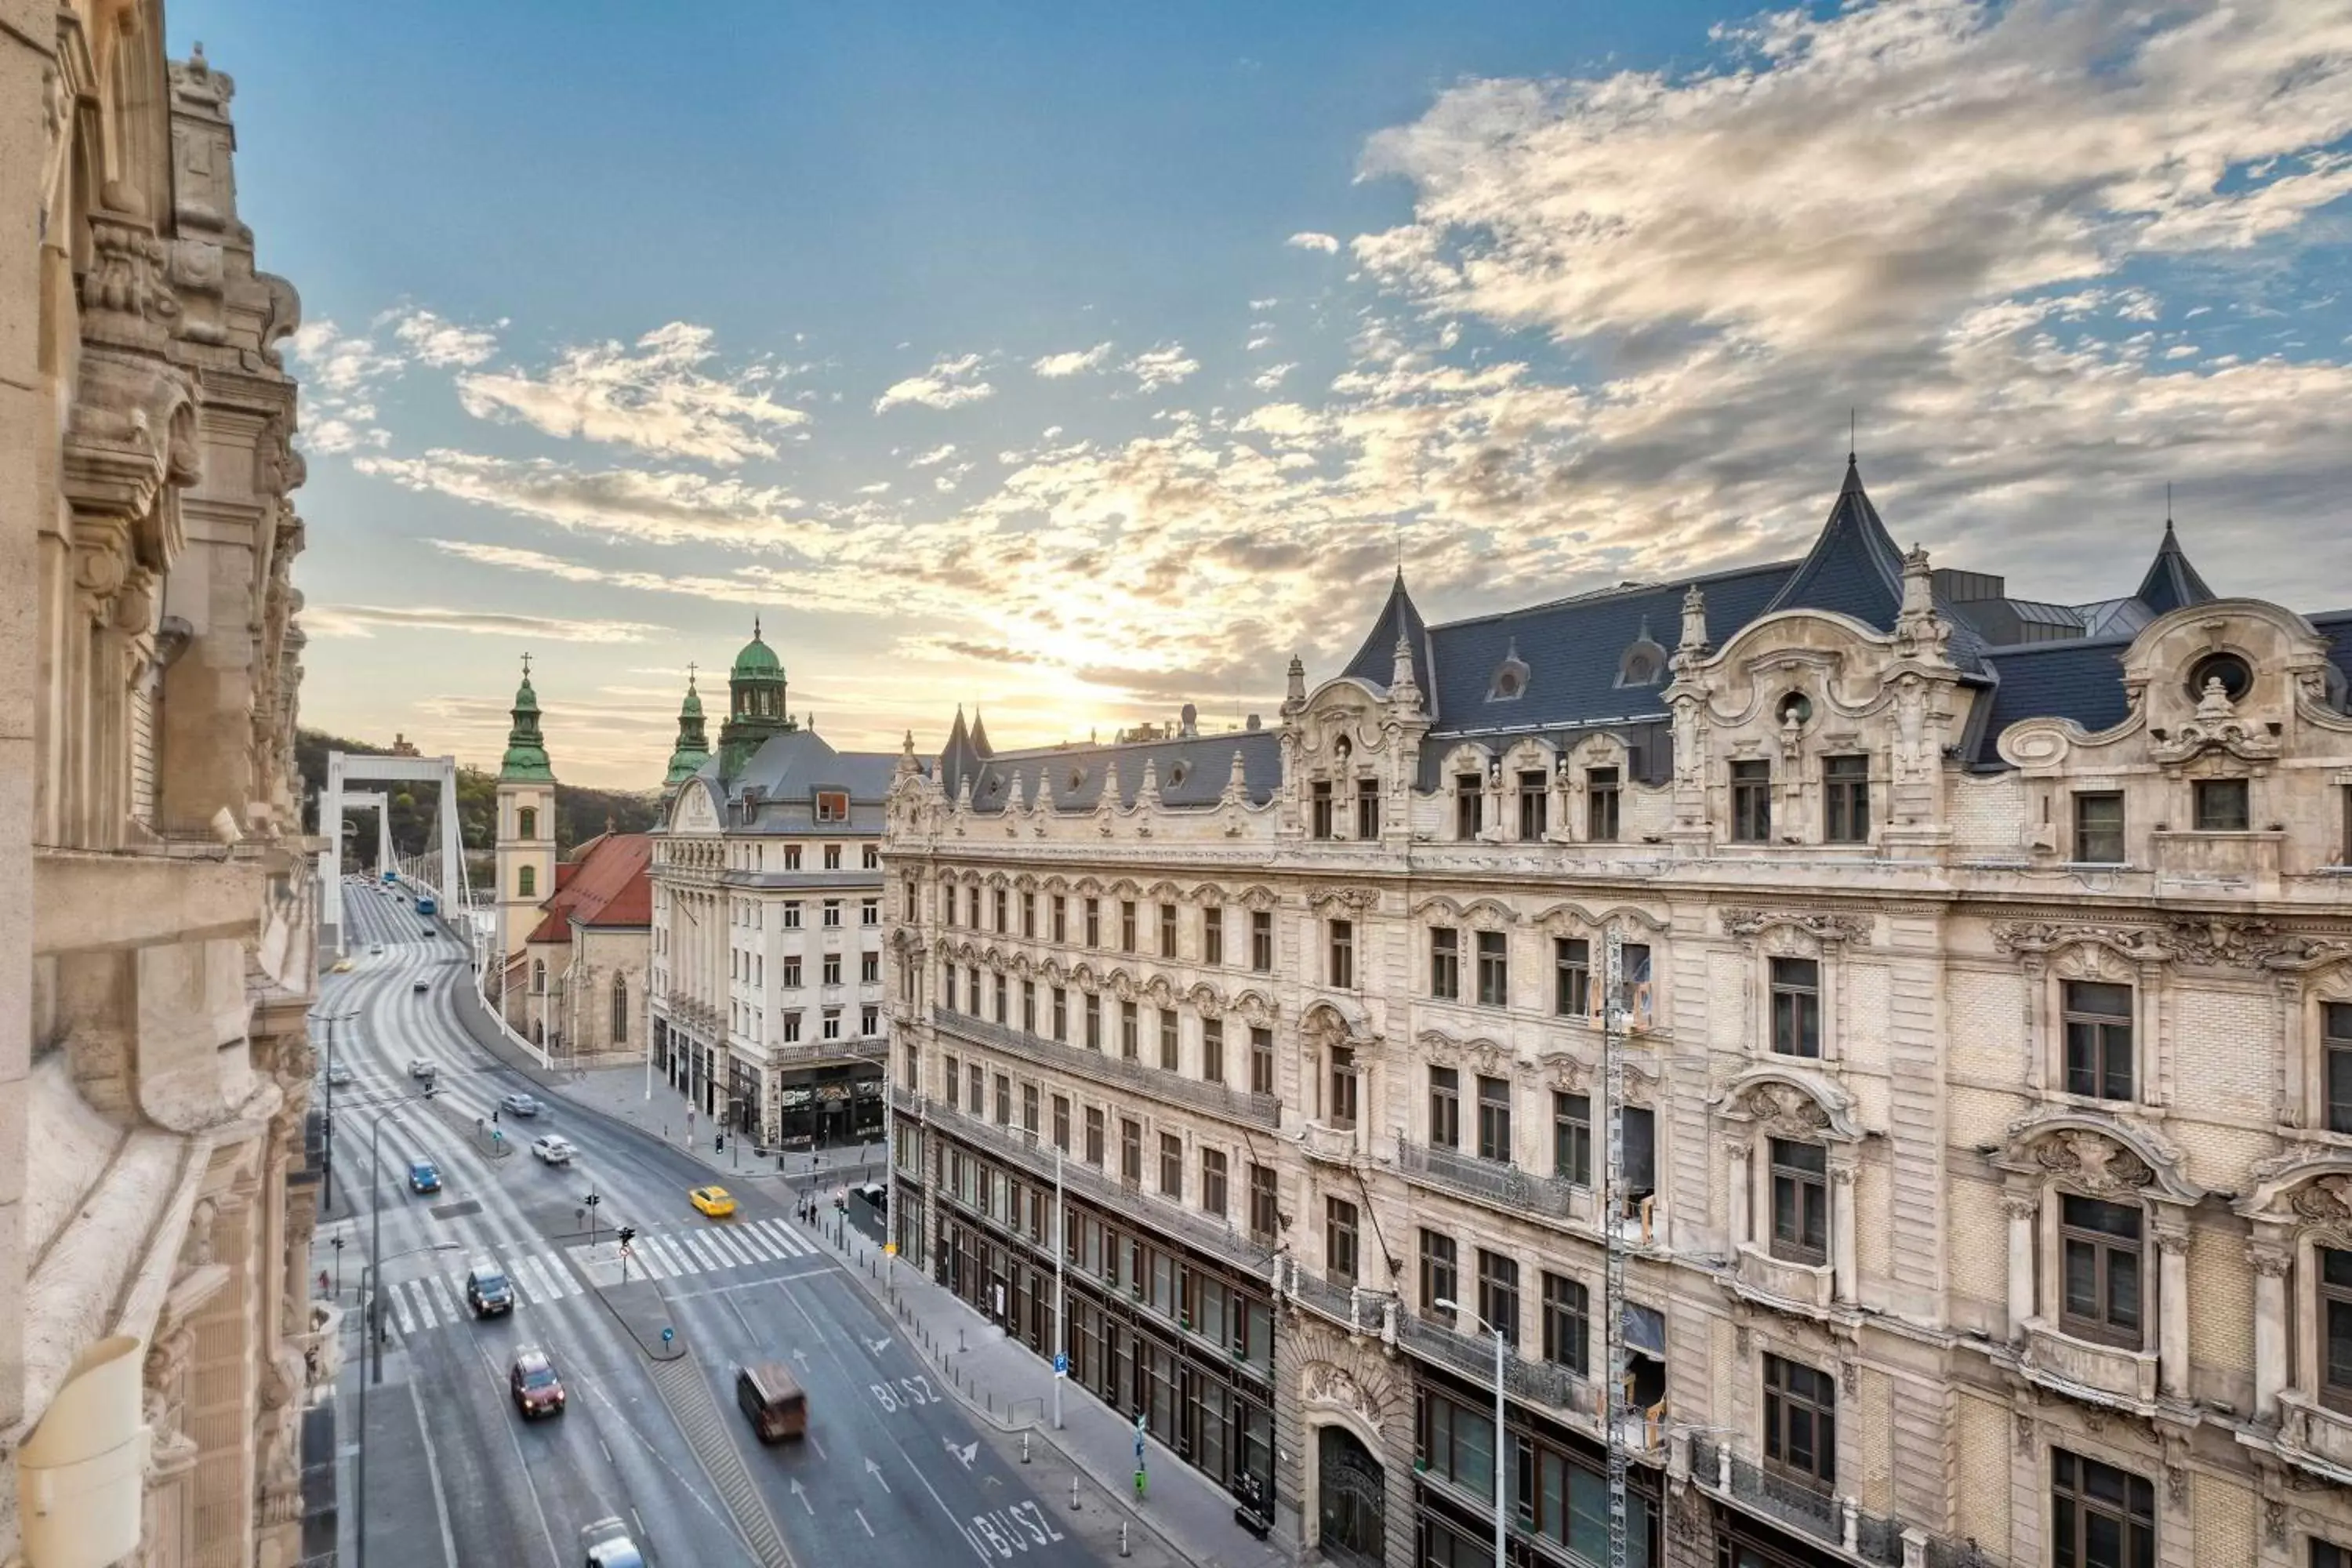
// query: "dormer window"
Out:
[1643,662]
[1510,681]
[833,805]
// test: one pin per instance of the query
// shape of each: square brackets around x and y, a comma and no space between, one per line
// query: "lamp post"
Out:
[1501,1538]
[327,1157]
[372,1321]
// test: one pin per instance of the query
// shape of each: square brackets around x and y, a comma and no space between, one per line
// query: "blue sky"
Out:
[1083,361]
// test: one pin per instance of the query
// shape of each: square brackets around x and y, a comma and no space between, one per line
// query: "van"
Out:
[877,1194]
[487,1290]
[771,1397]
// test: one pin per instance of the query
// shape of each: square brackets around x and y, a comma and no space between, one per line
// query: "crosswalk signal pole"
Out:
[1613,1079]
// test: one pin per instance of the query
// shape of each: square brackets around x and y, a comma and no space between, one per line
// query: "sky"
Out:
[1074,362]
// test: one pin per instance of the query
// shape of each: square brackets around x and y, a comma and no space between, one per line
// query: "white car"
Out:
[551,1149]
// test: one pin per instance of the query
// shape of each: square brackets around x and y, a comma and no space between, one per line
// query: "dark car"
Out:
[486,1289]
[536,1388]
[424,1176]
[418,986]
[518,1105]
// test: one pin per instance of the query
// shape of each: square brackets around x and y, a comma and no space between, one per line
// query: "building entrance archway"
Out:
[1351,1498]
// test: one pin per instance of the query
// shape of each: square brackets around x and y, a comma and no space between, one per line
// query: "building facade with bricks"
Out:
[1986,999]
[159,1340]
[766,969]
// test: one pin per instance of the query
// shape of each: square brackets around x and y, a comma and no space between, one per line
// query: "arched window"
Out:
[526,822]
[539,977]
[527,882]
[620,1010]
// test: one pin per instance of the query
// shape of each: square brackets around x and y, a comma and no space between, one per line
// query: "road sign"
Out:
[1061,1365]
[668,1335]
[889,1250]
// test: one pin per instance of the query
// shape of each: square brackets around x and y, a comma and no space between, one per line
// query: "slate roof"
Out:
[2081,679]
[1376,660]
[2336,625]
[1190,770]
[2171,581]
[1854,569]
[2113,618]
[604,884]
[786,769]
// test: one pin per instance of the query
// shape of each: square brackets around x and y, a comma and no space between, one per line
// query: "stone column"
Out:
[1739,1159]
[2270,1260]
[2021,1207]
[1843,1262]
[2172,1310]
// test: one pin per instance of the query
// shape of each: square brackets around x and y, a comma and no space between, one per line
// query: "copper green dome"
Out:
[526,759]
[757,660]
[693,749]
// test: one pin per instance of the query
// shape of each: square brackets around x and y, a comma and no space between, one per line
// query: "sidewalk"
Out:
[1003,1382]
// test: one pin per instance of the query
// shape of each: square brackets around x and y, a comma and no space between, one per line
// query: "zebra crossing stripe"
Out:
[733,1248]
[780,1234]
[400,1313]
[665,1257]
[451,1302]
[525,1270]
[746,1240]
[703,1251]
[648,1259]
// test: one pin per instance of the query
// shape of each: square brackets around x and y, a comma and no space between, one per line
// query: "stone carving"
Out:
[2047,936]
[1817,924]
[2327,1201]
[1784,1110]
[2098,1166]
[196,1251]
[2023,1423]
[2216,727]
[1356,898]
[2274,1520]
[1357,1388]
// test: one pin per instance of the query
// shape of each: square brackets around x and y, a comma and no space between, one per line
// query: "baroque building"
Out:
[766,968]
[1986,993]
[158,1339]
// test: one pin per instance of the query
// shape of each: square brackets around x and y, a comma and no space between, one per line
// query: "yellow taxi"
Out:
[716,1202]
[341,966]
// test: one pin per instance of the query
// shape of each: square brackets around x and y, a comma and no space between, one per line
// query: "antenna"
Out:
[1852,424]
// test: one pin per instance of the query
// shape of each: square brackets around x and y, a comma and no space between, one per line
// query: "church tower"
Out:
[693,747]
[755,705]
[526,834]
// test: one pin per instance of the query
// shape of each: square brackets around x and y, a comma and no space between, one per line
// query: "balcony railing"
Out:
[1216,1099]
[1492,1181]
[1127,1199]
[1835,1521]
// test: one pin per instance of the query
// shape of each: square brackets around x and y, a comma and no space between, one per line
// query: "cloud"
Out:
[434,341]
[936,455]
[364,620]
[660,506]
[1271,377]
[1163,366]
[652,394]
[1072,363]
[949,383]
[1307,240]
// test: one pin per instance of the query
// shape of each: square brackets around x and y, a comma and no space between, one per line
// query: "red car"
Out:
[536,1388]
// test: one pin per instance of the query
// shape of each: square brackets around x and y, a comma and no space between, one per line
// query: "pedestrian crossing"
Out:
[436,1300]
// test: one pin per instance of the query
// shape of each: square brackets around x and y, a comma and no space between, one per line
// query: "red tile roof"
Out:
[604,884]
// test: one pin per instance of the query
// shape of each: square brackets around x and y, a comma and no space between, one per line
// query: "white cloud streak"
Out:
[365,620]
[652,395]
[949,383]
[1074,362]
[1307,240]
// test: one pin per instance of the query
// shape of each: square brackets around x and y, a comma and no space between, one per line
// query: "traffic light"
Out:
[628,1234]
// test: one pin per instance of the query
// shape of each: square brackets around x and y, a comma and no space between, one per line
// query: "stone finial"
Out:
[1403,689]
[1012,794]
[906,755]
[1694,641]
[1920,631]
[1044,789]
[2214,702]
[1294,696]
[1237,780]
[1918,586]
[1147,794]
[1109,801]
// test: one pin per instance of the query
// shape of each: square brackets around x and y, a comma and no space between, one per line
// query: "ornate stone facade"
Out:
[157,955]
[1986,1010]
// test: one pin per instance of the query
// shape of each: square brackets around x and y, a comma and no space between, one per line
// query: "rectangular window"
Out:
[1801,1423]
[2099,827]
[1168,1040]
[1457,1443]
[1498,1294]
[792,914]
[832,1029]
[1469,800]
[1094,1022]
[1130,1151]
[1212,935]
[1029,914]
[1445,1108]
[1129,1026]
[973,1076]
[1127,925]
[1003,1014]
[1440,1281]
[1572,963]
[1601,794]
[2336,1327]
[1340,1239]
[1212,1181]
[1343,1087]
[1061,1015]
[1751,802]
[1028,1006]
[1571,1137]
[1003,1101]
[1567,1322]
[1062,1122]
[833,915]
[1801,1202]
[869,1022]
[1367,808]
[869,968]
[833,805]
[1262,941]
[1494,1120]
[791,976]
[2098,1039]
[955,1080]
[792,1028]
[2336,1043]
[1494,969]
[2100,1517]
[1061,919]
[2102,1248]
[1262,1060]
[871,857]
[1340,972]
[1445,963]
[1095,1136]
[1535,789]
[2222,806]
[832,968]
[1167,930]
[791,856]
[1265,1215]
[1094,923]
[1846,800]
[1318,809]
[1029,1108]
[1213,1050]
[1797,1007]
[1171,1165]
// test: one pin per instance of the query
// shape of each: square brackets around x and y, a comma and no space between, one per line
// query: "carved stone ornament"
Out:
[2099,1155]
[2327,1202]
[2274,1520]
[1488,1056]
[1782,1111]
[2023,1422]
[1566,1072]
[1780,1102]
[2091,1162]
[2137,943]
[2216,727]
[1821,926]
[1356,899]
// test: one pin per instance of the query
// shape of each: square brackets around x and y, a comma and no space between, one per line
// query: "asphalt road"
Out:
[891,1470]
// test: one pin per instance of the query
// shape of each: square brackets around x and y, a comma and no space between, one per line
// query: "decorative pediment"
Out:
[2139,945]
[1783,1101]
[1822,926]
[2102,1156]
[1479,1054]
[1579,919]
[2308,1187]
[1206,1000]
[1566,1072]
[1159,992]
[1482,914]
[1329,1022]
[1346,900]
[1254,1007]
[2216,727]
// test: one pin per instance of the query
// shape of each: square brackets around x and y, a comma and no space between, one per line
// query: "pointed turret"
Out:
[958,763]
[2171,581]
[526,758]
[693,747]
[980,746]
[1856,569]
[1400,622]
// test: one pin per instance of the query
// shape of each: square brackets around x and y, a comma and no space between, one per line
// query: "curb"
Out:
[655,1349]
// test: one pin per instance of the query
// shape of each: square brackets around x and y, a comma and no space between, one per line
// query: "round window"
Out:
[1795,708]
[2234,674]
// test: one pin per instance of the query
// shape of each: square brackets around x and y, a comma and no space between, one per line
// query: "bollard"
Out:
[1025,1447]
[958,1338]
[1074,1494]
[1122,1538]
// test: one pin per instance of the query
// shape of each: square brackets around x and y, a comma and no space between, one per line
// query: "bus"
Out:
[425,906]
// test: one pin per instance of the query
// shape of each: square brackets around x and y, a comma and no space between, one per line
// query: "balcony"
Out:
[2109,1372]
[1834,1521]
[2314,1437]
[1337,1143]
[1215,1098]
[1810,1286]
[1530,1382]
[2248,860]
[1486,1180]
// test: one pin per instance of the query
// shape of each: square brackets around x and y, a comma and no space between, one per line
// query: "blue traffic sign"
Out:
[1061,1365]
[668,1335]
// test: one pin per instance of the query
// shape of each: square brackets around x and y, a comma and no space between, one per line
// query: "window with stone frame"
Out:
[2327,1554]
[2222,806]
[2100,1517]
[1094,1022]
[1212,1181]
[1751,802]
[1339,968]
[1029,1106]
[1003,1101]
[1469,804]
[1130,1151]
[1094,923]
[1129,1032]
[1498,1294]
[955,1079]
[975,1080]
[2102,1265]
[2098,1021]
[1445,1107]
[1494,1120]
[1265,1207]
[2334,1267]
[1440,1275]
[1262,941]
[1796,1006]
[1061,1015]
[998,904]
[1801,1423]
[1062,1122]
[1445,964]
[1567,1322]
[1212,935]
[1213,1050]
[1171,1165]
[1028,1006]
[1095,1136]
[1343,1087]
[1061,919]
[1029,915]
[1571,966]
[1127,925]
[1534,795]
[2098,827]
[1494,969]
[2336,1053]
[1167,930]
[1367,808]
[1845,799]
[1571,1137]
[1604,794]
[1261,1060]
[1169,1048]
[1318,809]
[1801,1201]
[1340,1239]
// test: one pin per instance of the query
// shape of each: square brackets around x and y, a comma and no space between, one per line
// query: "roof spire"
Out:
[1853,427]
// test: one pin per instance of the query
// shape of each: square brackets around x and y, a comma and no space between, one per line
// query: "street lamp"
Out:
[374,1320]
[1501,1538]
[327,1158]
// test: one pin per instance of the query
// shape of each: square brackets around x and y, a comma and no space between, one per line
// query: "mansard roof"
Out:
[781,776]
[2171,581]
[1188,770]
[1856,569]
[1376,660]
[2080,679]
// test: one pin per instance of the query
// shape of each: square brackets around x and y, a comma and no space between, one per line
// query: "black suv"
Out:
[487,1290]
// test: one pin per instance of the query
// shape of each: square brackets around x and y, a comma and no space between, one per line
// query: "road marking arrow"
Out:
[800,1356]
[965,1454]
[875,1470]
[801,1492]
[878,1346]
